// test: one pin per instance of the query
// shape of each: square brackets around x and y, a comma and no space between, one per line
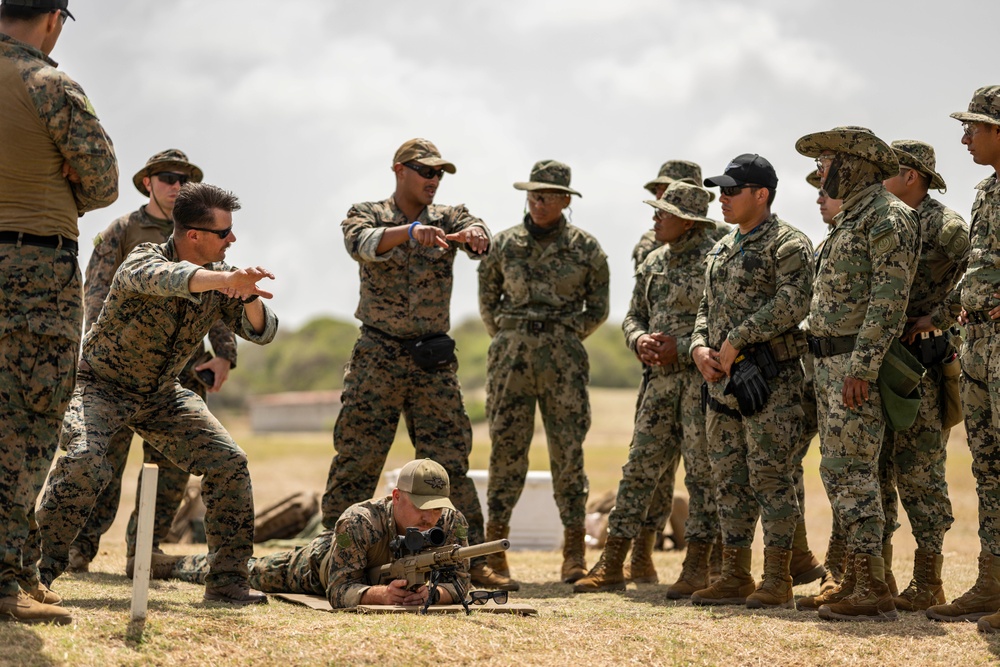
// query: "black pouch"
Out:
[432,352]
[763,356]
[704,397]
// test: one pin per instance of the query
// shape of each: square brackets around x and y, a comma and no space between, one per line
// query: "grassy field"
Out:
[637,627]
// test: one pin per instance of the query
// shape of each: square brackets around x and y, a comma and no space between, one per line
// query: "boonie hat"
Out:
[49,5]
[677,170]
[685,201]
[984,107]
[426,482]
[423,152]
[814,180]
[920,156]
[852,140]
[171,159]
[746,169]
[549,175]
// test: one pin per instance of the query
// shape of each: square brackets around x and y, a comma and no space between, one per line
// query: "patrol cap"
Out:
[920,156]
[45,5]
[549,175]
[424,152]
[746,169]
[852,140]
[427,484]
[677,170]
[685,201]
[813,179]
[171,159]
[984,107]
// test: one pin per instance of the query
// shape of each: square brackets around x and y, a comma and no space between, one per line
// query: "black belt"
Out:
[60,242]
[532,326]
[829,347]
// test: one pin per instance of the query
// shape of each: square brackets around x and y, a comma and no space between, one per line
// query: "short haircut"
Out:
[196,203]
[17,13]
[771,192]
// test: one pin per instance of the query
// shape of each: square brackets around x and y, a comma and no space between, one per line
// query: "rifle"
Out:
[422,559]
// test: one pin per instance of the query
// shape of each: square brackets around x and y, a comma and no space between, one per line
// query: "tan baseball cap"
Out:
[424,152]
[427,484]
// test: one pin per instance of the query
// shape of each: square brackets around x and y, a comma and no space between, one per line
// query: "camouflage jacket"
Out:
[360,540]
[977,288]
[405,292]
[111,247]
[944,253]
[46,120]
[864,277]
[565,280]
[151,323]
[668,288]
[647,244]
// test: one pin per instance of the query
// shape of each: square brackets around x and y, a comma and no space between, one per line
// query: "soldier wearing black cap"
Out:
[56,163]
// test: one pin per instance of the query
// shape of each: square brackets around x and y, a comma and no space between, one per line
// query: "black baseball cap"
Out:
[746,169]
[43,5]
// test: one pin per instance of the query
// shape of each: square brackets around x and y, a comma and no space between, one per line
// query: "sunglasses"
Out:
[482,597]
[544,198]
[171,178]
[424,170]
[733,190]
[221,233]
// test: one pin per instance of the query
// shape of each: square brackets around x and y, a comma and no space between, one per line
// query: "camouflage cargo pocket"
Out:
[40,370]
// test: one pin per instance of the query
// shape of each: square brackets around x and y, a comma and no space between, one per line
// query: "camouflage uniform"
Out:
[914,460]
[149,327]
[405,293]
[334,564]
[46,121]
[110,249]
[669,421]
[756,290]
[539,300]
[861,289]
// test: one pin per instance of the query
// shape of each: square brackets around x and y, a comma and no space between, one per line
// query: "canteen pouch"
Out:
[951,398]
[899,383]
[432,352]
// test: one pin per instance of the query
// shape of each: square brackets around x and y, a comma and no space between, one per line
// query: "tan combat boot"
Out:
[484,576]
[925,589]
[805,568]
[734,584]
[238,593]
[694,571]
[835,594]
[715,561]
[835,565]
[775,589]
[78,562]
[42,593]
[25,609]
[870,601]
[641,570]
[574,566]
[607,574]
[980,600]
[890,579]
[498,560]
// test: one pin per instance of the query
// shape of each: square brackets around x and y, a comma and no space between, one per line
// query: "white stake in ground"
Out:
[144,541]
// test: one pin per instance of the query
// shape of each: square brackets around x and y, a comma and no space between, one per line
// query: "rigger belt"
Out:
[57,242]
[829,347]
[980,325]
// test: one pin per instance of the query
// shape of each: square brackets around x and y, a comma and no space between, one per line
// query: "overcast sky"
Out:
[298,106]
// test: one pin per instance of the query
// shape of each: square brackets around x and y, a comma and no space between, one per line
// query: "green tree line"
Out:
[313,359]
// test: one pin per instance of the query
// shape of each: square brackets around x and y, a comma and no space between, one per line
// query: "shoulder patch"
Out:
[954,237]
[98,240]
[461,532]
[789,257]
[344,540]
[80,101]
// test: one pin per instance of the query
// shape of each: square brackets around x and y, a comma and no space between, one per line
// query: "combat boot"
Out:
[498,561]
[715,561]
[574,566]
[694,571]
[607,574]
[641,570]
[775,589]
[25,609]
[484,576]
[161,565]
[734,584]
[805,568]
[78,561]
[835,564]
[925,589]
[41,593]
[890,579]
[981,600]
[835,594]
[870,601]
[238,593]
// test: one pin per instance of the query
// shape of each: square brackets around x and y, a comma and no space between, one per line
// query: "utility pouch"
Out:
[763,356]
[951,398]
[432,352]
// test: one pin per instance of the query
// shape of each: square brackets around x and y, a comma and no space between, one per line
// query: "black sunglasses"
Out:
[170,177]
[733,190]
[482,597]
[221,233]
[424,170]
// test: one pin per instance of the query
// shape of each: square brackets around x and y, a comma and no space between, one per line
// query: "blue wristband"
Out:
[412,225]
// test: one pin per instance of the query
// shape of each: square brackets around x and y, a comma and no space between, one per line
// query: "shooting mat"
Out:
[320,603]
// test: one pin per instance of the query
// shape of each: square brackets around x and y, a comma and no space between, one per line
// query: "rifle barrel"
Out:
[477,550]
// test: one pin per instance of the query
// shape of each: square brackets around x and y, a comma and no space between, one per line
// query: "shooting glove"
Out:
[748,385]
